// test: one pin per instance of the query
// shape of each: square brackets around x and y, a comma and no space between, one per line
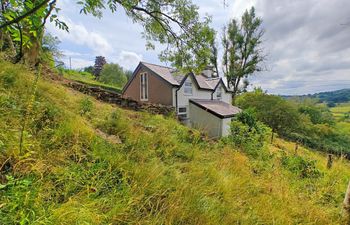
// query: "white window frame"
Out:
[218,93]
[182,115]
[188,88]
[144,87]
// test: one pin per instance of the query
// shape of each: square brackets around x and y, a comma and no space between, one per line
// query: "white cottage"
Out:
[202,101]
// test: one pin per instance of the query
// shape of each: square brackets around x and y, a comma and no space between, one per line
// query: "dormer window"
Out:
[218,93]
[188,87]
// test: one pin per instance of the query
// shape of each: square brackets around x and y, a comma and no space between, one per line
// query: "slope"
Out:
[86,162]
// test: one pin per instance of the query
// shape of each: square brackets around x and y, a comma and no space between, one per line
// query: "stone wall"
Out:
[116,98]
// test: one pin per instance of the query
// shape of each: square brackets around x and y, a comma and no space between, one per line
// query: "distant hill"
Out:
[338,96]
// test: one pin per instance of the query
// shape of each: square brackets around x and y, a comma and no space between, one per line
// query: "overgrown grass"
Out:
[161,173]
[89,79]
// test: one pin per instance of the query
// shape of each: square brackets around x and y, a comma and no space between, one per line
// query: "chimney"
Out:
[209,72]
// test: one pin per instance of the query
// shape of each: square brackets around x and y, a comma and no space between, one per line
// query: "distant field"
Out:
[340,110]
[339,113]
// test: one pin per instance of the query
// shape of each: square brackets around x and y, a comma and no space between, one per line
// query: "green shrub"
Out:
[86,106]
[252,140]
[304,168]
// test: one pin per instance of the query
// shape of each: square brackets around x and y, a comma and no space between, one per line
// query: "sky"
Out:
[307,42]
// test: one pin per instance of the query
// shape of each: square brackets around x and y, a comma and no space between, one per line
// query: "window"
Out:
[218,93]
[188,87]
[144,87]
[182,110]
[182,113]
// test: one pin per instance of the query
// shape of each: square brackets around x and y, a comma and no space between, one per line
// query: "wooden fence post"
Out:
[296,148]
[330,161]
[346,204]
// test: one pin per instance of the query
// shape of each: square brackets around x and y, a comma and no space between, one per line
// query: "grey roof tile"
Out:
[216,107]
[175,78]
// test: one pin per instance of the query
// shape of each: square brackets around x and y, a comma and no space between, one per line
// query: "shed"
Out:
[212,116]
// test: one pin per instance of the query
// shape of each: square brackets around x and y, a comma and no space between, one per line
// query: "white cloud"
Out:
[129,60]
[80,35]
[240,6]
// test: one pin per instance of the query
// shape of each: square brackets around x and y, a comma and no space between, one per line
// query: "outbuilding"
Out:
[212,116]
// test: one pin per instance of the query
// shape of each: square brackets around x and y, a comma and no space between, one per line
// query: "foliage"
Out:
[304,168]
[174,23]
[50,51]
[249,134]
[89,79]
[100,61]
[303,121]
[86,106]
[113,74]
[242,54]
[128,74]
[89,69]
[330,97]
[272,110]
[24,22]
[317,114]
[159,173]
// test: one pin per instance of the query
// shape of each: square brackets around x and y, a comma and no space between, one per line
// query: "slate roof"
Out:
[216,107]
[166,73]
[174,78]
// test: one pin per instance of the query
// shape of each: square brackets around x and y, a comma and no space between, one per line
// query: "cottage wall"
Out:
[183,98]
[159,91]
[205,121]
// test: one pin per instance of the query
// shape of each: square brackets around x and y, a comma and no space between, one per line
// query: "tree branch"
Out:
[18,19]
[51,7]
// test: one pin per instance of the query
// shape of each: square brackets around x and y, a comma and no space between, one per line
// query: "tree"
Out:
[89,69]
[100,61]
[113,74]
[174,23]
[24,22]
[242,53]
[128,74]
[282,116]
[50,51]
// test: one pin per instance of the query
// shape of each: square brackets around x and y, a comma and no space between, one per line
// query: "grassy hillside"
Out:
[86,162]
[87,78]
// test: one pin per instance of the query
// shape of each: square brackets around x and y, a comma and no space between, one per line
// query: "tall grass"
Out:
[160,173]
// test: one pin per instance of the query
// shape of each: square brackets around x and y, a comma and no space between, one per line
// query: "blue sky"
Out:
[307,41]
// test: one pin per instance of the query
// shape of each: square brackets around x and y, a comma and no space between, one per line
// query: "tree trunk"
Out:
[32,53]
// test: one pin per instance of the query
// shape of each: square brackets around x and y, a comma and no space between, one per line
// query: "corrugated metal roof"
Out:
[216,107]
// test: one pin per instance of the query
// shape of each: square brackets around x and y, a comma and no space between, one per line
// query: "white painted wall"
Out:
[205,121]
[225,96]
[183,98]
[226,126]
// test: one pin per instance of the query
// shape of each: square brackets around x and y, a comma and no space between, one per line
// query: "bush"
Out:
[249,135]
[304,168]
[86,106]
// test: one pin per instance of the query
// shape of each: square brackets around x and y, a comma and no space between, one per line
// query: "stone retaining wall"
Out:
[116,98]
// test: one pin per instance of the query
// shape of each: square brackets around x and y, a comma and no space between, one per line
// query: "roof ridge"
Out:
[156,65]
